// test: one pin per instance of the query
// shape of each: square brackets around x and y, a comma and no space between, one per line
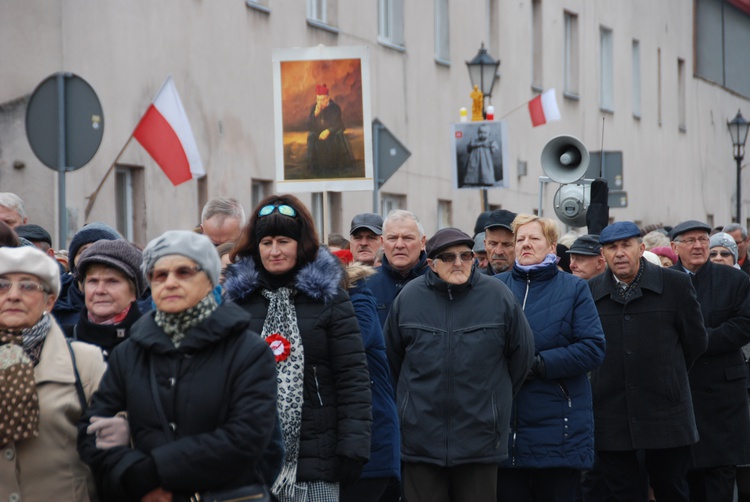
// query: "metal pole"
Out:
[61,161]
[738,158]
[376,166]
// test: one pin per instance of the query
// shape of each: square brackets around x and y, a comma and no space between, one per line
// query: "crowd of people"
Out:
[246,359]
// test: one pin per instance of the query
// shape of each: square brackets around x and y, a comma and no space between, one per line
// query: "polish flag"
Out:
[543,108]
[165,133]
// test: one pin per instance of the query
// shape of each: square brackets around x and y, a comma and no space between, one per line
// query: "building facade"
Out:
[652,84]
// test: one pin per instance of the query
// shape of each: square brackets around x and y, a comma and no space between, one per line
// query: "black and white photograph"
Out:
[480,154]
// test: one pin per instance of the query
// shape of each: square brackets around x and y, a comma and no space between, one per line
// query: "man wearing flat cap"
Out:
[499,242]
[643,411]
[718,381]
[586,260]
[365,237]
[459,348]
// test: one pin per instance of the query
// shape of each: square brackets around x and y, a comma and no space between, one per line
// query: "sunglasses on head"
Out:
[281,208]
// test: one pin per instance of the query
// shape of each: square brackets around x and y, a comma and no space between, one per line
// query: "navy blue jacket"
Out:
[387,284]
[553,421]
[385,457]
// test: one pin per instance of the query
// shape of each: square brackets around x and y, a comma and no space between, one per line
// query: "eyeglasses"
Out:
[725,254]
[464,256]
[25,287]
[281,208]
[158,276]
[702,240]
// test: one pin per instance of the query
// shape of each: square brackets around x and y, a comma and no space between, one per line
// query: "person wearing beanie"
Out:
[291,286]
[71,301]
[666,255]
[46,385]
[718,379]
[454,337]
[723,249]
[568,344]
[192,373]
[109,274]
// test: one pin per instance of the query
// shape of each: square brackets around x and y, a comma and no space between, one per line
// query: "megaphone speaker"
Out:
[571,203]
[565,159]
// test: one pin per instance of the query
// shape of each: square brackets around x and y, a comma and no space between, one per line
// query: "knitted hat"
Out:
[445,238]
[118,254]
[197,247]
[726,240]
[32,261]
[92,232]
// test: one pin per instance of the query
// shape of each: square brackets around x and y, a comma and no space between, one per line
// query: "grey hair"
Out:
[403,215]
[223,206]
[736,226]
[13,201]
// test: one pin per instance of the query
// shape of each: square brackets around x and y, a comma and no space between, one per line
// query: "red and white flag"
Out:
[165,133]
[543,108]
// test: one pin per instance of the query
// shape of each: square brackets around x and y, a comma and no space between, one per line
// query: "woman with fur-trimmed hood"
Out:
[291,287]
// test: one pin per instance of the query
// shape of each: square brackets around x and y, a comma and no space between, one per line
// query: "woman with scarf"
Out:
[552,423]
[291,287]
[45,385]
[198,386]
[109,274]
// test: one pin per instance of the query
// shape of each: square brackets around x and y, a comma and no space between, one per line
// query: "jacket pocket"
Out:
[735,372]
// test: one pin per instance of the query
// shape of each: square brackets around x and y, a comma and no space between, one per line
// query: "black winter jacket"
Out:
[336,414]
[218,388]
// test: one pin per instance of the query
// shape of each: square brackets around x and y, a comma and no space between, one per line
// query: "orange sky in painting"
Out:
[298,79]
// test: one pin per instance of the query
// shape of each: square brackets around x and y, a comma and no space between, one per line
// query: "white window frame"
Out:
[444,214]
[606,70]
[442,33]
[391,23]
[636,85]
[124,201]
[316,10]
[389,202]
[571,56]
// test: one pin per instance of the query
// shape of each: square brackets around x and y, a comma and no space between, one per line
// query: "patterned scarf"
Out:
[281,319]
[19,403]
[177,325]
[625,291]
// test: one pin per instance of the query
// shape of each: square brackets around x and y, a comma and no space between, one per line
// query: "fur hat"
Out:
[92,232]
[32,261]
[118,254]
[197,247]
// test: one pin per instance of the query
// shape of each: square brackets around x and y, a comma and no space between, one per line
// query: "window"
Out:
[442,34]
[536,45]
[259,190]
[444,214]
[636,84]
[606,68]
[316,10]
[570,60]
[130,202]
[322,14]
[259,5]
[722,36]
[681,118]
[389,202]
[391,23]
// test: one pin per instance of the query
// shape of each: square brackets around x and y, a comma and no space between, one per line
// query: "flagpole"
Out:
[525,103]
[92,197]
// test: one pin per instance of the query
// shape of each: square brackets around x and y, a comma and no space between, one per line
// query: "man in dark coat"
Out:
[718,379]
[459,348]
[741,238]
[642,403]
[327,146]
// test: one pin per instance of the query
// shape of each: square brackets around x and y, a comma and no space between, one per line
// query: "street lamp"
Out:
[483,71]
[738,130]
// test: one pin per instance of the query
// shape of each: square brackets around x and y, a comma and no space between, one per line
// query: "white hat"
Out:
[32,261]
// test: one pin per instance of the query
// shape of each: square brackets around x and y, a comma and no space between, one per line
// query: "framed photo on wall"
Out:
[480,154]
[322,119]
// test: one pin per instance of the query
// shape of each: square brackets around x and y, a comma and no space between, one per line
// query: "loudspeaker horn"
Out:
[565,159]
[571,204]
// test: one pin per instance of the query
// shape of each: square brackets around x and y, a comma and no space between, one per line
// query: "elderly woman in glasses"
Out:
[198,386]
[552,424]
[44,388]
[723,249]
[291,287]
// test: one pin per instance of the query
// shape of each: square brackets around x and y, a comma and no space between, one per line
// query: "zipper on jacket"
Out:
[515,433]
[317,385]
[565,393]
[526,294]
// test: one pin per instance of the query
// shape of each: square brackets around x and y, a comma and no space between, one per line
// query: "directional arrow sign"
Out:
[389,152]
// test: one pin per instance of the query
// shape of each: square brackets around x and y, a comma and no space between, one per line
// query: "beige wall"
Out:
[219,54]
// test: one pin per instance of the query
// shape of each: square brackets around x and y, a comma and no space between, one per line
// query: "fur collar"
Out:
[320,279]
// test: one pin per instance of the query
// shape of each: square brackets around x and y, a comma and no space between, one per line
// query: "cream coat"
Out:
[48,467]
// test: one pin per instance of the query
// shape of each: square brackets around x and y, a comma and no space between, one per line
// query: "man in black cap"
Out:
[454,337]
[38,236]
[643,414]
[499,242]
[365,239]
[718,381]
[586,260]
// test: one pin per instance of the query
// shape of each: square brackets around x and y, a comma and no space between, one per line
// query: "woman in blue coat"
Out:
[552,426]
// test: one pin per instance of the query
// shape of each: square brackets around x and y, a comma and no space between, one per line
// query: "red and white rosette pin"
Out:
[280,346]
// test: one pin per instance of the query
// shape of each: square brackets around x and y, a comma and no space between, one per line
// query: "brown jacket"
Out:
[48,467]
